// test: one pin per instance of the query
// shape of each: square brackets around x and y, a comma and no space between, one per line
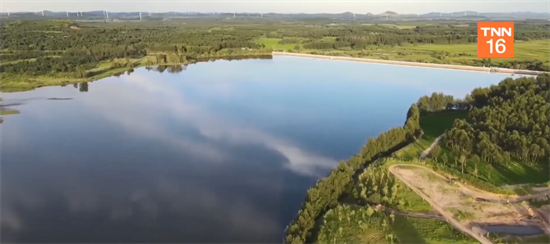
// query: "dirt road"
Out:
[486,196]
[448,216]
[455,200]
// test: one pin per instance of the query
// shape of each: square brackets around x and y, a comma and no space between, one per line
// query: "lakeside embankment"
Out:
[414,64]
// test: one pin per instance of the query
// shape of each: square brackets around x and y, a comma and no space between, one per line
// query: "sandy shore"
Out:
[415,64]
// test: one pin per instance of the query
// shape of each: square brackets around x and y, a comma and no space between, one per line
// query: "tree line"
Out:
[28,36]
[327,191]
[508,121]
[438,101]
[42,47]
[76,50]
[72,60]
[57,35]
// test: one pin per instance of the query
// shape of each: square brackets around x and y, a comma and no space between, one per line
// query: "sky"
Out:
[280,6]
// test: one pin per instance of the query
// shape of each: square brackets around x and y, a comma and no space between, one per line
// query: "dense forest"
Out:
[84,50]
[505,132]
[62,46]
[380,34]
[507,122]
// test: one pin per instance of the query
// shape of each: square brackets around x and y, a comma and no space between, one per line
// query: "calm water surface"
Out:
[217,152]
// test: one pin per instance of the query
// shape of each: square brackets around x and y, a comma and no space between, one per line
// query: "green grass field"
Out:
[416,230]
[23,83]
[273,43]
[497,175]
[522,50]
[17,61]
[459,54]
[398,26]
[348,224]
[393,25]
[9,112]
[328,39]
[408,201]
[433,126]
[394,194]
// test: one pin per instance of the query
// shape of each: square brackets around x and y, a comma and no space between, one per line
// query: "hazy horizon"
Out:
[281,6]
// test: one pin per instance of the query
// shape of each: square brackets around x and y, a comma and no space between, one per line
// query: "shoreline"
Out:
[413,64]
[63,81]
[27,86]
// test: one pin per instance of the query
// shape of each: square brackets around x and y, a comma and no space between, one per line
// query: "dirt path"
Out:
[454,200]
[483,195]
[426,152]
[448,216]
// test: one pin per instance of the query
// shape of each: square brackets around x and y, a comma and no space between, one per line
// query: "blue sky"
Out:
[280,6]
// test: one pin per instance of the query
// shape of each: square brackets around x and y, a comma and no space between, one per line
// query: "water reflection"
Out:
[187,113]
[174,69]
[208,173]
[225,157]
[130,71]
[82,86]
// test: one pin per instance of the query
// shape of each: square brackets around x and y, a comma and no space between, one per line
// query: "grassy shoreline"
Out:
[20,83]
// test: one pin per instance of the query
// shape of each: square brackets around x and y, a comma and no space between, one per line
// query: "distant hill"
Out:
[100,14]
[389,13]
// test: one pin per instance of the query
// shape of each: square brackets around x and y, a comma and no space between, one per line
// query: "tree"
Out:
[444,158]
[412,123]
[81,72]
[462,159]
[436,151]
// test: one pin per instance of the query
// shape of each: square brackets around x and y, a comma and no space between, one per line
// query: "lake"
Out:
[213,152]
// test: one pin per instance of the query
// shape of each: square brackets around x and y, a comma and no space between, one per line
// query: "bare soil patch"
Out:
[459,202]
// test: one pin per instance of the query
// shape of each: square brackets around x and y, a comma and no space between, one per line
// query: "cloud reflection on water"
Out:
[205,171]
[67,183]
[236,218]
[143,119]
